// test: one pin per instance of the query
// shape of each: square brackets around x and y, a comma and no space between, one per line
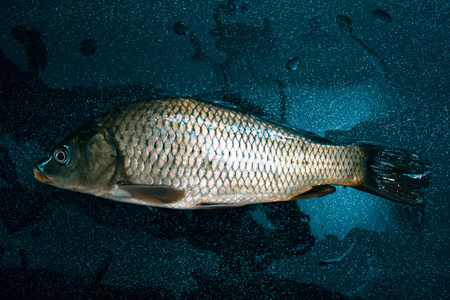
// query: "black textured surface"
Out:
[64,62]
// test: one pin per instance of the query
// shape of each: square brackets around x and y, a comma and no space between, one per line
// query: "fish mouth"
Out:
[41,176]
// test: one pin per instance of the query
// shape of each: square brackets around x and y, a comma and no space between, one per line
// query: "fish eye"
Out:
[62,155]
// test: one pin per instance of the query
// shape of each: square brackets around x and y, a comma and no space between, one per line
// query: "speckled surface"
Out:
[72,61]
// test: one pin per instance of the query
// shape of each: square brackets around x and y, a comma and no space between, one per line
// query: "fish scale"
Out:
[220,156]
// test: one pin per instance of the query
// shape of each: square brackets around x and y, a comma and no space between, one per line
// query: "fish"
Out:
[181,153]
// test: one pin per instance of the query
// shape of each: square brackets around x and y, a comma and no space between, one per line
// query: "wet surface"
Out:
[290,64]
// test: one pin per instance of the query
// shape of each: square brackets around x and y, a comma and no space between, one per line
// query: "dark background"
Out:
[69,61]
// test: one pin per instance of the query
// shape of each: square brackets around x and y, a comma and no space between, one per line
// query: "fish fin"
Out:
[153,194]
[315,191]
[395,174]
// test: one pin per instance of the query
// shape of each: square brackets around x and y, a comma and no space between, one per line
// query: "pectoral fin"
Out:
[153,194]
[315,191]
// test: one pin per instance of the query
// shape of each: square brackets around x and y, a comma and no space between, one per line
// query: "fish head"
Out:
[85,161]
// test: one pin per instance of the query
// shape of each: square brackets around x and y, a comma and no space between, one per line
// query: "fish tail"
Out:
[395,174]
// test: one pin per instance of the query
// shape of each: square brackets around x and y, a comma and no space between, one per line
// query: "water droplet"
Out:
[382,16]
[293,63]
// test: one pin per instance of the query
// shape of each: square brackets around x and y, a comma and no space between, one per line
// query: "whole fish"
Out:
[186,154]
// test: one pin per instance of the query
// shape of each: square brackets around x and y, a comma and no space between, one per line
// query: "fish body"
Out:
[186,154]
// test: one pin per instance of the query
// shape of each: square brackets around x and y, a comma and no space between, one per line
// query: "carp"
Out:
[187,154]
